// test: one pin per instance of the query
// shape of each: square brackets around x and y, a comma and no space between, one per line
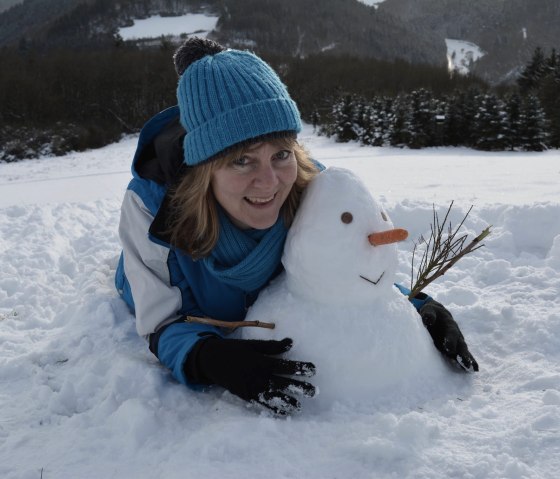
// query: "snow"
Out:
[81,396]
[338,294]
[461,55]
[157,26]
[372,3]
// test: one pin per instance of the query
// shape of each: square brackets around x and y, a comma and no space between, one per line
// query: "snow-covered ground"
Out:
[461,55]
[153,27]
[372,3]
[81,396]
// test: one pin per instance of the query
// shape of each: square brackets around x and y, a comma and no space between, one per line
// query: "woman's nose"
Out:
[266,176]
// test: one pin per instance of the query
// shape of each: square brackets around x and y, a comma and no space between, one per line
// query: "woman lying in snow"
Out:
[217,181]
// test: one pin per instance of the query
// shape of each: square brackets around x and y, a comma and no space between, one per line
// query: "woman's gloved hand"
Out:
[250,370]
[446,335]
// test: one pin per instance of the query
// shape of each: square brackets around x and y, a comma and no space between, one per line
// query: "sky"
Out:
[81,395]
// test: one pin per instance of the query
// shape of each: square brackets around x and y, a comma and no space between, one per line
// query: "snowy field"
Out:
[157,25]
[82,397]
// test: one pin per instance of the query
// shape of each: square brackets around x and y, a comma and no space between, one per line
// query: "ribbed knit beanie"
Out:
[228,97]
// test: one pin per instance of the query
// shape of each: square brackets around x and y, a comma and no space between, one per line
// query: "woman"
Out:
[217,181]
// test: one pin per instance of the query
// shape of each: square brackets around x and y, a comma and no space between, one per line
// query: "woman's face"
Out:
[253,188]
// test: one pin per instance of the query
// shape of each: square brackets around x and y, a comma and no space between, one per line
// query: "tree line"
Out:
[418,119]
[526,117]
[73,99]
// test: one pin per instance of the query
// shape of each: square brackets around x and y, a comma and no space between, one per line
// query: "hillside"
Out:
[296,28]
[412,30]
[507,30]
[307,27]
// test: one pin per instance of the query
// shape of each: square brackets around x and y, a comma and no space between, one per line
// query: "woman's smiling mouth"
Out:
[259,201]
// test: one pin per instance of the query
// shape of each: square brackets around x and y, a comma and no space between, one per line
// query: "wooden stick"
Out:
[229,324]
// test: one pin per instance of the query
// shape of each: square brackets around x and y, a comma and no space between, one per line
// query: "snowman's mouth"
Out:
[371,281]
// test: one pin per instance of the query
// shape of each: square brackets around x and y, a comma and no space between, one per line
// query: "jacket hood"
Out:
[159,155]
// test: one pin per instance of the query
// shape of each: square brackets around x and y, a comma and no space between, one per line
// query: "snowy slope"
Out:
[371,3]
[80,395]
[461,55]
[157,26]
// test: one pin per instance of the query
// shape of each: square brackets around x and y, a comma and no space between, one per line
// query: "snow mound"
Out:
[82,397]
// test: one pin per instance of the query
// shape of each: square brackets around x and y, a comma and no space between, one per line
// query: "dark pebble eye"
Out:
[384,216]
[346,217]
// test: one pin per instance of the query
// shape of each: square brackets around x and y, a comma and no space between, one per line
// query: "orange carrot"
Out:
[388,237]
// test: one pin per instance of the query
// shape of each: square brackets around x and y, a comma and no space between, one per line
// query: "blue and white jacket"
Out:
[159,283]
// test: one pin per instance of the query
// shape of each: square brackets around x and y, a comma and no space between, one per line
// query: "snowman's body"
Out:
[337,300]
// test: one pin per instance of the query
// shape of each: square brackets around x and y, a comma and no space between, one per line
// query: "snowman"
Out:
[337,300]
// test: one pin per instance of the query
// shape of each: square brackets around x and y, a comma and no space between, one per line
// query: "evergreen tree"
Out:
[343,114]
[374,123]
[399,128]
[491,124]
[386,120]
[360,118]
[532,133]
[532,73]
[454,134]
[549,96]
[420,119]
[513,109]
[439,109]
[367,122]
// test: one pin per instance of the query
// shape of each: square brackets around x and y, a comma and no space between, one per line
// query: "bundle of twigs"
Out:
[441,253]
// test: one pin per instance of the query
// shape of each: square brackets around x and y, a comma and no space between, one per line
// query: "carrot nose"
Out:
[387,237]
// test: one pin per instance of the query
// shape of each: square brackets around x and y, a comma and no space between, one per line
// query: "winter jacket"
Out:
[159,283]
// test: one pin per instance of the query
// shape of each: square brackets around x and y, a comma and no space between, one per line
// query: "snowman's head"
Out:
[334,252]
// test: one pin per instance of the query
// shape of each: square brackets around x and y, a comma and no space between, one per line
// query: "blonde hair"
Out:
[194,226]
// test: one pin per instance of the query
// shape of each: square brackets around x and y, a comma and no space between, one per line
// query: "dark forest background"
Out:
[68,82]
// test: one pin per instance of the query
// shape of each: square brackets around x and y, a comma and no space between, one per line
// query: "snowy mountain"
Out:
[414,30]
[82,397]
[508,31]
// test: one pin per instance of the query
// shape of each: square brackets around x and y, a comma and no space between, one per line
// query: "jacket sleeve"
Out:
[157,303]
[418,301]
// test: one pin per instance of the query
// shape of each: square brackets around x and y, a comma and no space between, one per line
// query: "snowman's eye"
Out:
[384,216]
[346,217]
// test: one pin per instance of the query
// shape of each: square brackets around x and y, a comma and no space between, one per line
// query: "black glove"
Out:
[446,335]
[246,368]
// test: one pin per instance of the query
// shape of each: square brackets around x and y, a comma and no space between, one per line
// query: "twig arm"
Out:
[229,324]
[446,264]
[441,254]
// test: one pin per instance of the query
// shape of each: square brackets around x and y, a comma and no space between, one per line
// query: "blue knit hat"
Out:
[230,97]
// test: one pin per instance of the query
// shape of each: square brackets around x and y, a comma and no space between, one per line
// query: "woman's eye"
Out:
[241,161]
[283,155]
[384,216]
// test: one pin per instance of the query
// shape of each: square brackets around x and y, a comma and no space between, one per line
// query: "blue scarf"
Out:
[246,258]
